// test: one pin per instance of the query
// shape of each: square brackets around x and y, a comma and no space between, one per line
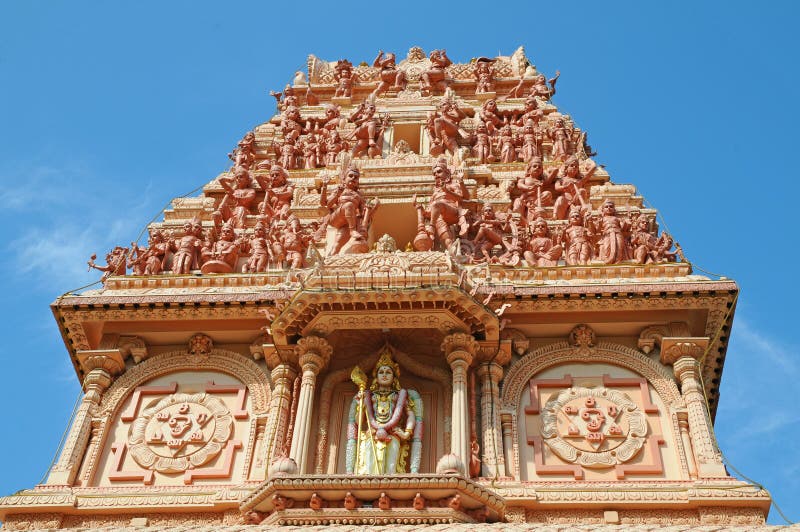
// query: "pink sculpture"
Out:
[286,98]
[239,197]
[563,138]
[531,141]
[278,193]
[448,196]
[505,145]
[572,188]
[484,74]
[245,152]
[531,111]
[445,127]
[152,259]
[535,190]
[349,214]
[490,116]
[489,234]
[483,145]
[390,75]
[368,134]
[343,74]
[259,249]
[115,263]
[334,145]
[295,243]
[186,250]
[434,79]
[540,88]
[288,154]
[291,125]
[612,229]
[221,256]
[541,249]
[425,233]
[577,239]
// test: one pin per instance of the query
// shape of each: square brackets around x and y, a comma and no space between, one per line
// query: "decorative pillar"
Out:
[508,446]
[684,354]
[489,375]
[100,367]
[313,354]
[683,426]
[459,349]
[283,375]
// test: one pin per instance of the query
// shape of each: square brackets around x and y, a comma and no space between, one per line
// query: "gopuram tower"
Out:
[415,298]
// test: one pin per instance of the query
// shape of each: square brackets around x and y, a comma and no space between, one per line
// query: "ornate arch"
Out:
[558,353]
[333,378]
[222,360]
[524,369]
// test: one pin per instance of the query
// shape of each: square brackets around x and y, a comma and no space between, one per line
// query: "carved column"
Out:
[100,368]
[489,376]
[283,375]
[313,354]
[683,426]
[508,446]
[683,354]
[459,349]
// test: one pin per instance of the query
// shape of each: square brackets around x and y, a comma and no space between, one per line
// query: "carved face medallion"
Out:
[179,432]
[593,427]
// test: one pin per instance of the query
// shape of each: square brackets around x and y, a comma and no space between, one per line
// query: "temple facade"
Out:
[415,298]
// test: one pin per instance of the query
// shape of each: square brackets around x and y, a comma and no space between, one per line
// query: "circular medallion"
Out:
[179,432]
[593,427]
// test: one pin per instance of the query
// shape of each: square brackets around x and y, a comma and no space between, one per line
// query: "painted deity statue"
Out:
[349,214]
[613,231]
[384,430]
[446,205]
[391,76]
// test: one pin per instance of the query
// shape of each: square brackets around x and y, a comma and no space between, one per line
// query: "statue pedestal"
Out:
[341,101]
[374,500]
[484,96]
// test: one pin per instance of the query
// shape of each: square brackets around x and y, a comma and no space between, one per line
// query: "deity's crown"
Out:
[386,360]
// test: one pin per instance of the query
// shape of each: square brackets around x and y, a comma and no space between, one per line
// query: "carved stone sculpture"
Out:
[446,205]
[572,188]
[343,74]
[484,75]
[221,255]
[445,127]
[150,260]
[349,214]
[541,249]
[238,200]
[186,249]
[535,190]
[390,76]
[384,435]
[368,134]
[613,243]
[115,263]
[244,154]
[433,79]
[577,240]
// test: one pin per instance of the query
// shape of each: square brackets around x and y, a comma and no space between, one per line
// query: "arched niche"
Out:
[227,395]
[536,396]
[434,385]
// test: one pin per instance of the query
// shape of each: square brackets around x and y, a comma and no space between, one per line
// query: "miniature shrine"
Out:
[415,297]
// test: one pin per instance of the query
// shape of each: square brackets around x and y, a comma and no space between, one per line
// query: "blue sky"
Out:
[107,111]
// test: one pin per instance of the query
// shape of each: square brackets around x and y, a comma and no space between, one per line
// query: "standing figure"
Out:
[572,188]
[258,245]
[434,79]
[483,145]
[115,263]
[186,250]
[505,145]
[348,214]
[334,145]
[239,197]
[291,125]
[563,138]
[310,152]
[390,75]
[295,243]
[484,74]
[150,260]
[278,193]
[613,239]
[577,239]
[343,74]
[531,141]
[368,134]
[384,424]
[426,236]
[286,98]
[541,249]
[446,205]
[445,127]
[288,154]
[245,152]
[535,189]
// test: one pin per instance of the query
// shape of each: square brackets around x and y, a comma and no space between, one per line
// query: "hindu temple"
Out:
[415,298]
